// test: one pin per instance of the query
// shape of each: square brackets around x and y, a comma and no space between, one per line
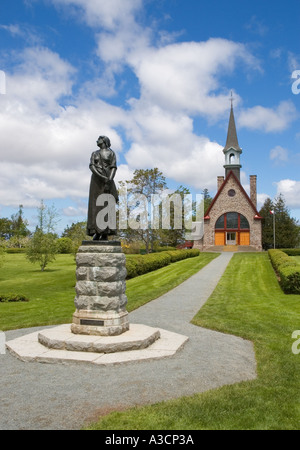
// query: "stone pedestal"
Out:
[100,290]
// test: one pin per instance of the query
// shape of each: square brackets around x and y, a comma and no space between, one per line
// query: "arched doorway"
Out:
[232,228]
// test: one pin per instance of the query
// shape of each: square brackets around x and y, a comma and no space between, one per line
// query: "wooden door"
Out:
[244,238]
[219,238]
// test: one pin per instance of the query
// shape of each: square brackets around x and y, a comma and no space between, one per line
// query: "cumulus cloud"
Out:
[279,154]
[290,189]
[269,119]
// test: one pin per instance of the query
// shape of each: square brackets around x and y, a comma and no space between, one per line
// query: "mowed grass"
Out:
[51,293]
[247,302]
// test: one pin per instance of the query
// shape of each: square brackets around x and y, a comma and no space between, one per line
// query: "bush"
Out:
[64,245]
[288,271]
[165,249]
[291,251]
[13,298]
[15,250]
[141,264]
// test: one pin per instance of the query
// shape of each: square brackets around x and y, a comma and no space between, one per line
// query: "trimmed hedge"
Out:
[291,251]
[141,264]
[288,271]
[13,298]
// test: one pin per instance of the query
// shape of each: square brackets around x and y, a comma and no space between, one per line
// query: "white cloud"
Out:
[107,14]
[261,198]
[279,154]
[269,119]
[186,76]
[290,189]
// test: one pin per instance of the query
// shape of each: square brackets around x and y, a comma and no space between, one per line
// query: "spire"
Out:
[232,140]
[232,150]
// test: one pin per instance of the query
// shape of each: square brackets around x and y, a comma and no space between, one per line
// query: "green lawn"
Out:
[247,302]
[52,292]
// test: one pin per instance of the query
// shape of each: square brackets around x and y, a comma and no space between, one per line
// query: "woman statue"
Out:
[103,166]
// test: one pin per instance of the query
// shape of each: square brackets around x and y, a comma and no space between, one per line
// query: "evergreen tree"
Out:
[286,228]
[207,199]
[19,227]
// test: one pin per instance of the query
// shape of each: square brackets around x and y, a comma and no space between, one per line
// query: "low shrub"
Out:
[287,269]
[4,298]
[141,264]
[291,251]
[165,248]
[290,279]
[64,245]
[15,250]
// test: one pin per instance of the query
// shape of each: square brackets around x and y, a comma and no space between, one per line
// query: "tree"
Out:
[5,228]
[42,248]
[175,233]
[77,233]
[19,227]
[144,183]
[207,199]
[286,228]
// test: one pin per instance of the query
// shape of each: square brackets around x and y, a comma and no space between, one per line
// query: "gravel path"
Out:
[36,396]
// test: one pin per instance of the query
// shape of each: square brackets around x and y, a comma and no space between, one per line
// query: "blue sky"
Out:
[155,76]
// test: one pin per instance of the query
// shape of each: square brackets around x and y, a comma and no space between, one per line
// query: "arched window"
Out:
[231,158]
[232,221]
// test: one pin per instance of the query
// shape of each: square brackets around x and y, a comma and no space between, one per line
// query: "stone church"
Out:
[232,221]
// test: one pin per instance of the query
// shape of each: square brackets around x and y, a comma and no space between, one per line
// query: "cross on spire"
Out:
[231,99]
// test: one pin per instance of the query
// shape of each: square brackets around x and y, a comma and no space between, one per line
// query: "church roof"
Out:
[231,174]
[232,140]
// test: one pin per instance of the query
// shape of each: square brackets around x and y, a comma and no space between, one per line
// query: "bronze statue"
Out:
[103,166]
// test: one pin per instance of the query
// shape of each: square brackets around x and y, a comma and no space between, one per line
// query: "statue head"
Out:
[105,139]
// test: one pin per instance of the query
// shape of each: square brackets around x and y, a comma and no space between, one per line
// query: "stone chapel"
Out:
[232,221]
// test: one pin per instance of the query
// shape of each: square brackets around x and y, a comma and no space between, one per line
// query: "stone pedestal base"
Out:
[99,323]
[100,290]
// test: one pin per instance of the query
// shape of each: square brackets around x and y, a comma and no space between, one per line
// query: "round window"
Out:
[231,192]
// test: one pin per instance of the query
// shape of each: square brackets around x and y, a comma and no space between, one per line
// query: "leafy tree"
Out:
[42,247]
[175,234]
[287,233]
[76,233]
[146,182]
[6,228]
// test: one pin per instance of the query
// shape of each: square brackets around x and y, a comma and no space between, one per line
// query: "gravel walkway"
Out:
[36,396]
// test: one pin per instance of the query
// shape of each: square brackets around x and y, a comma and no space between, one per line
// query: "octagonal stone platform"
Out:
[139,343]
[62,338]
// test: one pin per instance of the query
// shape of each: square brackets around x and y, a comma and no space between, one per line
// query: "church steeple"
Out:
[232,149]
